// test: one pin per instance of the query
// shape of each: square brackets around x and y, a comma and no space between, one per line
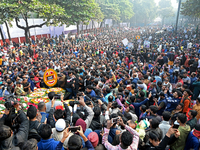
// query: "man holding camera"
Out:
[128,139]
[9,139]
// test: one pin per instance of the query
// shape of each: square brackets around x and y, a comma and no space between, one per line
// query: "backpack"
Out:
[34,134]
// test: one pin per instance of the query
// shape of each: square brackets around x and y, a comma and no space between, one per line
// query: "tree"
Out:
[165,9]
[78,10]
[8,13]
[109,9]
[145,11]
[191,8]
[126,10]
[51,14]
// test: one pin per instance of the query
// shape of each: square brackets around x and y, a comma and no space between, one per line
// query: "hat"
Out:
[60,125]
[32,112]
[87,132]
[141,86]
[59,107]
[118,80]
[93,138]
[82,123]
[134,117]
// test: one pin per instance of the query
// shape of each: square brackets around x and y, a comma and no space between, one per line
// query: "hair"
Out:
[97,111]
[182,117]
[5,132]
[74,142]
[41,106]
[126,138]
[132,98]
[153,135]
[193,113]
[32,112]
[31,144]
[154,123]
[127,116]
[142,94]
[154,109]
[58,114]
[144,108]
[166,115]
[198,99]
[51,95]
[45,131]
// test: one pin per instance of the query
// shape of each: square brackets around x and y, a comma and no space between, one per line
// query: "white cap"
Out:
[60,125]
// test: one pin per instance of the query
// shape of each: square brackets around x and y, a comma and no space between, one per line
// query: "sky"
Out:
[174,4]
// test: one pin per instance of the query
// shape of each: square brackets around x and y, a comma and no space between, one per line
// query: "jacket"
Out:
[172,103]
[192,142]
[196,90]
[49,144]
[192,122]
[21,136]
[186,102]
[179,144]
[164,126]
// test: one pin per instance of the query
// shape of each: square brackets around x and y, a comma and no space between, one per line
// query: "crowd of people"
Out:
[153,80]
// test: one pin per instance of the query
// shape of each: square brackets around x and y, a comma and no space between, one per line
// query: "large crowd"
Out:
[143,95]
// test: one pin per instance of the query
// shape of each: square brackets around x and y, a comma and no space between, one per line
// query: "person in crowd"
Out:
[184,130]
[192,119]
[164,125]
[136,89]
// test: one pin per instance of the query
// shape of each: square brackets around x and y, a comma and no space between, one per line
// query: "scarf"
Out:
[196,133]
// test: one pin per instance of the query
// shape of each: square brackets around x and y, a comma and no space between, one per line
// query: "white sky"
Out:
[174,4]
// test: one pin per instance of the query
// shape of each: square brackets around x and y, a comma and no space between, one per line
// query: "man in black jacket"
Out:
[9,140]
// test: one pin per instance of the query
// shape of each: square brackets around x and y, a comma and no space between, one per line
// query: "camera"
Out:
[114,120]
[74,129]
[72,103]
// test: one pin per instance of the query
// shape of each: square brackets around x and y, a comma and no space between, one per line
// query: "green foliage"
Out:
[191,8]
[145,11]
[165,9]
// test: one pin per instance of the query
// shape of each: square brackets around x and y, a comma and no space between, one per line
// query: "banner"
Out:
[125,41]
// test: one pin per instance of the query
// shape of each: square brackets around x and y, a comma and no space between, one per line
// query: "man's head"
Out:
[192,114]
[5,132]
[154,138]
[126,138]
[74,143]
[51,95]
[181,118]
[45,131]
[166,115]
[42,107]
[153,109]
[32,112]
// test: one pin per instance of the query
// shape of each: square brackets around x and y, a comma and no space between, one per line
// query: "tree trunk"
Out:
[8,30]
[92,24]
[2,37]
[26,35]
[77,25]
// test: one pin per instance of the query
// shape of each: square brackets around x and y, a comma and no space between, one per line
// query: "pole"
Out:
[179,5]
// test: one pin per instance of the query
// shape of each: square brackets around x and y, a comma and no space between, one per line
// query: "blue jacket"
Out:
[192,142]
[92,93]
[32,84]
[109,94]
[137,106]
[49,144]
[171,103]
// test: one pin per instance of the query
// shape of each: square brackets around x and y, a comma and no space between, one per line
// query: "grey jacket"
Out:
[15,140]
